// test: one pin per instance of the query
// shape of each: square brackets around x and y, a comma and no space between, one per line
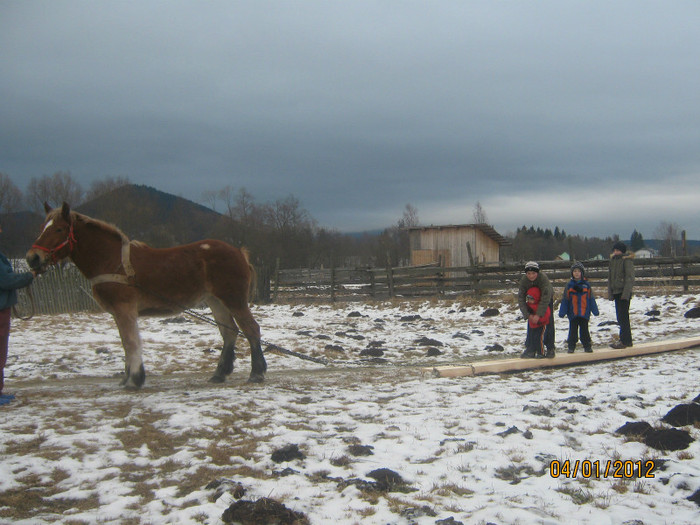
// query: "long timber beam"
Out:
[565,359]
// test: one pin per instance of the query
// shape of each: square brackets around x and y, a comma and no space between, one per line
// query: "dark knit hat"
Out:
[619,245]
[580,267]
[532,266]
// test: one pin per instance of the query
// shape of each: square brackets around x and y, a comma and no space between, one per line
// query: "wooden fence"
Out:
[65,290]
[60,290]
[343,284]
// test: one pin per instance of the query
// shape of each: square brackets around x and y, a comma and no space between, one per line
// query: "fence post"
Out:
[277,279]
[372,283]
[390,280]
[333,283]
[261,294]
[389,274]
[440,276]
[684,264]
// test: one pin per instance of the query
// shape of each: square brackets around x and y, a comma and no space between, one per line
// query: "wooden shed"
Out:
[456,245]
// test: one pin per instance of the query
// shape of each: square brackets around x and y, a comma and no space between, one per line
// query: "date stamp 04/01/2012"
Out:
[617,469]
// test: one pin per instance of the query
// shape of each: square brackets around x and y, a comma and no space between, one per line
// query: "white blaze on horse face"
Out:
[48,225]
[205,246]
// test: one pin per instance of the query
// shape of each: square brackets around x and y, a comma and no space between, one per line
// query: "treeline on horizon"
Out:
[278,234]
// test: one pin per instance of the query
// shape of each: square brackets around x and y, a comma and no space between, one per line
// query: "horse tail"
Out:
[253,284]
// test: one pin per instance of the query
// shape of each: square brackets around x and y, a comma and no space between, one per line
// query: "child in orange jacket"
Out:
[578,304]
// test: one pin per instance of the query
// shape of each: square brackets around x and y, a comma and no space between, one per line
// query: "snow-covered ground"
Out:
[76,448]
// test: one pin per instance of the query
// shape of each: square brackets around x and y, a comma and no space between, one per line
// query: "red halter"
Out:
[70,242]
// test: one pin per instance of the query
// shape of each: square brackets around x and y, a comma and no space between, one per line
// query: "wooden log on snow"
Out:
[565,359]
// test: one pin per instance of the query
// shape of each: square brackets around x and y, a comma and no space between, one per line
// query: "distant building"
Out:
[456,245]
[646,253]
[563,257]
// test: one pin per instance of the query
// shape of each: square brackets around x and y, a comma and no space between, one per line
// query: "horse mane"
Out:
[102,225]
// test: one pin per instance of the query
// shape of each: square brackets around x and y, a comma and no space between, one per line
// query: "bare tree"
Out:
[287,215]
[104,186]
[410,217]
[479,214]
[394,242]
[211,197]
[10,195]
[238,206]
[245,210]
[670,235]
[55,189]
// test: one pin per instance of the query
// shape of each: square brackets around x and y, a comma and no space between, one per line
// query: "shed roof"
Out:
[486,229]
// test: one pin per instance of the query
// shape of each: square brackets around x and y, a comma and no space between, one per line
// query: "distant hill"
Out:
[143,213]
[152,216]
[365,233]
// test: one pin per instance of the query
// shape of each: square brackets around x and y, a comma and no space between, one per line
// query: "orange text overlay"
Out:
[618,469]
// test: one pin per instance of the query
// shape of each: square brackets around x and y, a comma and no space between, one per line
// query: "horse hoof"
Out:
[217,379]
[256,378]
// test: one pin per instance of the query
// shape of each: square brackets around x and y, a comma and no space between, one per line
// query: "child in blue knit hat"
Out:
[578,304]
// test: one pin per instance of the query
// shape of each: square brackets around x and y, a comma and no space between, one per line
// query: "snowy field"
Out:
[77,449]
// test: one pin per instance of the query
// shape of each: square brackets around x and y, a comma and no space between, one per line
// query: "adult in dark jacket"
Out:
[620,283]
[10,282]
[533,277]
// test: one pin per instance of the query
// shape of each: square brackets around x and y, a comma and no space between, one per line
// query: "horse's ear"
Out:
[65,211]
[47,208]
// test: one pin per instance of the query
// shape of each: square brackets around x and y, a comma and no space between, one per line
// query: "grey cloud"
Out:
[357,108]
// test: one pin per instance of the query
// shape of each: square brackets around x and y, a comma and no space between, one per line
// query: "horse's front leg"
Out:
[131,341]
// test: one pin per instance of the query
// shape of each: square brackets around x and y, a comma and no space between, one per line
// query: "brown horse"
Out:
[130,279]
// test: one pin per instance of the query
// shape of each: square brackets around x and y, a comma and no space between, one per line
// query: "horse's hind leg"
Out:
[131,341]
[251,330]
[229,333]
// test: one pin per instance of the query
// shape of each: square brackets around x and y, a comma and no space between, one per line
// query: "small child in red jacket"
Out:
[534,345]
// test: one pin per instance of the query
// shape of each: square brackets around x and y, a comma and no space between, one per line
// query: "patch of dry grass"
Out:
[159,443]
[450,490]
[37,495]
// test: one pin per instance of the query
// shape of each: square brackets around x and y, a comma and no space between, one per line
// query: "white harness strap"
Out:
[119,278]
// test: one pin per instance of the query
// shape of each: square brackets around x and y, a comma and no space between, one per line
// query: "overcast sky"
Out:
[578,114]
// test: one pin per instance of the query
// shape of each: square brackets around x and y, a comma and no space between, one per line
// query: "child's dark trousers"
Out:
[579,325]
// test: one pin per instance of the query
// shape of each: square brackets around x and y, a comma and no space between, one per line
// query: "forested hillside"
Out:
[152,216]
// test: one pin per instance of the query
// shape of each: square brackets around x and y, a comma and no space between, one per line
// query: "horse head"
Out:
[56,240]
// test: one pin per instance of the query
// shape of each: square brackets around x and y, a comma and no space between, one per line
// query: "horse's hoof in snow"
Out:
[217,379]
[256,378]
